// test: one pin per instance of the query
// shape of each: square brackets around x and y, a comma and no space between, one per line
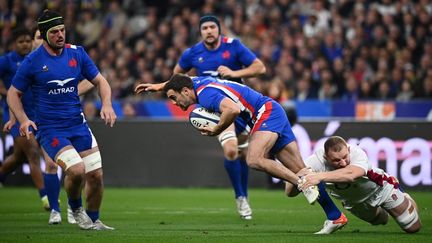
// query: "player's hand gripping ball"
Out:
[201,117]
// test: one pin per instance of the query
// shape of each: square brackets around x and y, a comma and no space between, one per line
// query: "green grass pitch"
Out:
[195,215]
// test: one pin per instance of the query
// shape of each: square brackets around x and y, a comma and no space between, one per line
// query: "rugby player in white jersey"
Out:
[367,192]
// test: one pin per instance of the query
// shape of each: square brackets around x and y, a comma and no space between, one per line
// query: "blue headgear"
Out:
[211,18]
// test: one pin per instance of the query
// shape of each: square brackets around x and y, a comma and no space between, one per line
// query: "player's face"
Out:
[210,32]
[23,45]
[56,37]
[180,99]
[37,39]
[339,159]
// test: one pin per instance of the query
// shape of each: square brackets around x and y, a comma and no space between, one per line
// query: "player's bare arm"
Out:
[347,174]
[229,112]
[15,104]
[253,70]
[107,112]
[84,86]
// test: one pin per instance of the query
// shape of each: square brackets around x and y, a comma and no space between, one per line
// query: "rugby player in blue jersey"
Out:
[221,56]
[23,148]
[270,131]
[53,72]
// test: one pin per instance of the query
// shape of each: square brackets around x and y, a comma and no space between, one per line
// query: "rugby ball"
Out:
[201,117]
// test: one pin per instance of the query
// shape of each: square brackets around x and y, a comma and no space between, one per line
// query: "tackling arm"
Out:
[347,174]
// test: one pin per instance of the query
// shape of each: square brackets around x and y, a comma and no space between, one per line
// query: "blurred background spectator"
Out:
[313,49]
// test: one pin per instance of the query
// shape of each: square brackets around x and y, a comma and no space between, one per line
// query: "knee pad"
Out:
[92,161]
[408,217]
[226,136]
[68,158]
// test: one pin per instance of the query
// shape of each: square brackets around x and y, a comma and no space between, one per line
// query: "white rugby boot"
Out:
[331,226]
[70,217]
[82,219]
[55,217]
[98,225]
[243,208]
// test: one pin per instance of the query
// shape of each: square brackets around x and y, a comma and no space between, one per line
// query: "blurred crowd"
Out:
[313,49]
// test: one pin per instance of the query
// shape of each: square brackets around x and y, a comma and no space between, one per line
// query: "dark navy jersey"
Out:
[54,83]
[231,53]
[9,64]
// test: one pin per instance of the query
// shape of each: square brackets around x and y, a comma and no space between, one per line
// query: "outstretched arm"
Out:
[347,174]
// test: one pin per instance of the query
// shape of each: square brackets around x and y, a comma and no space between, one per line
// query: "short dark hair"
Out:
[335,144]
[20,31]
[177,82]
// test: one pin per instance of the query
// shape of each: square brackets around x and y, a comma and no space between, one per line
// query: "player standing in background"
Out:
[23,148]
[53,72]
[220,56]
[367,192]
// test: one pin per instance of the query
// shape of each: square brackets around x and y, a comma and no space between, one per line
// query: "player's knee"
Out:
[381,218]
[409,220]
[51,167]
[76,173]
[231,153]
[95,178]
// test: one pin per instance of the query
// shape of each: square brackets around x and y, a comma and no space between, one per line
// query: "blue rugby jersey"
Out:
[9,64]
[54,84]
[211,91]
[231,53]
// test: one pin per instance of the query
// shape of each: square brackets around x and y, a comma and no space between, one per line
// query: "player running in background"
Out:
[53,72]
[270,134]
[367,192]
[23,148]
[220,56]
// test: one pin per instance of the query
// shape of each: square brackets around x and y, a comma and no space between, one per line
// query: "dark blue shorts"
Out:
[53,140]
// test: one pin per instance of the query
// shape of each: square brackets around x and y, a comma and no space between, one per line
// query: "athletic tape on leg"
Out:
[92,161]
[68,158]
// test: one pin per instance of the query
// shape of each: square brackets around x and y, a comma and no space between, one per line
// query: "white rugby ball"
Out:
[201,117]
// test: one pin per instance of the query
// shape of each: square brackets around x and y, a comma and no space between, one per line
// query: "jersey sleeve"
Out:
[246,56]
[185,61]
[316,162]
[23,77]
[89,69]
[359,158]
[210,99]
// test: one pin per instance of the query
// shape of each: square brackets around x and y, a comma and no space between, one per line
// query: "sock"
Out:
[244,172]
[327,204]
[52,187]
[233,169]
[75,203]
[42,192]
[94,215]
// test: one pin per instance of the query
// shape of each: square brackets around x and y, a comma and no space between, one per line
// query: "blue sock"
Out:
[94,215]
[244,169]
[233,169]
[42,192]
[52,187]
[75,203]
[327,204]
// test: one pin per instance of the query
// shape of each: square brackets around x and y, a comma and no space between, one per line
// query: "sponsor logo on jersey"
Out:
[61,90]
[61,82]
[211,73]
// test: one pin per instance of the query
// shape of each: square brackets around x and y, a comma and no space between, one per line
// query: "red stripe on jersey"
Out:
[241,99]
[379,179]
[225,39]
[67,45]
[268,107]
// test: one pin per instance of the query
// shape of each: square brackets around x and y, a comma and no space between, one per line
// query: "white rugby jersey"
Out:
[363,188]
